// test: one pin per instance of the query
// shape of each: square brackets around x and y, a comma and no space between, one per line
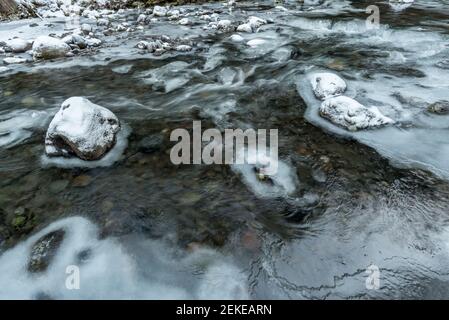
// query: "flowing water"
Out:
[138,226]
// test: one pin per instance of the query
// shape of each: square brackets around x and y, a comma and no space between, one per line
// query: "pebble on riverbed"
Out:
[82,129]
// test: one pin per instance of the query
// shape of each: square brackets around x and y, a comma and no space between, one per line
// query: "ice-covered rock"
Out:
[18,45]
[45,47]
[327,85]
[351,115]
[82,129]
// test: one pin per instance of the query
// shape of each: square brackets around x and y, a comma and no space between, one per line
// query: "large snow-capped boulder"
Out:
[82,129]
[45,47]
[351,115]
[327,85]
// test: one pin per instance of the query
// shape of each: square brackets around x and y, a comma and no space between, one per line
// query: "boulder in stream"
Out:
[45,47]
[82,129]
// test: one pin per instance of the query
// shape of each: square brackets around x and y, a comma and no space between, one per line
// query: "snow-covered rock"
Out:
[45,47]
[142,18]
[82,129]
[184,21]
[142,45]
[256,42]
[160,11]
[236,38]
[183,47]
[256,22]
[251,25]
[351,115]
[225,25]
[86,28]
[245,27]
[18,45]
[75,39]
[103,22]
[400,5]
[327,85]
[93,42]
[14,60]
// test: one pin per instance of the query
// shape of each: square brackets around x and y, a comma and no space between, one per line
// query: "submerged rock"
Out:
[264,174]
[439,107]
[43,251]
[351,115]
[151,143]
[82,129]
[45,47]
[327,85]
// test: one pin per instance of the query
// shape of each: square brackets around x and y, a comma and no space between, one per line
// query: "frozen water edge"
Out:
[111,272]
[415,147]
[109,159]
